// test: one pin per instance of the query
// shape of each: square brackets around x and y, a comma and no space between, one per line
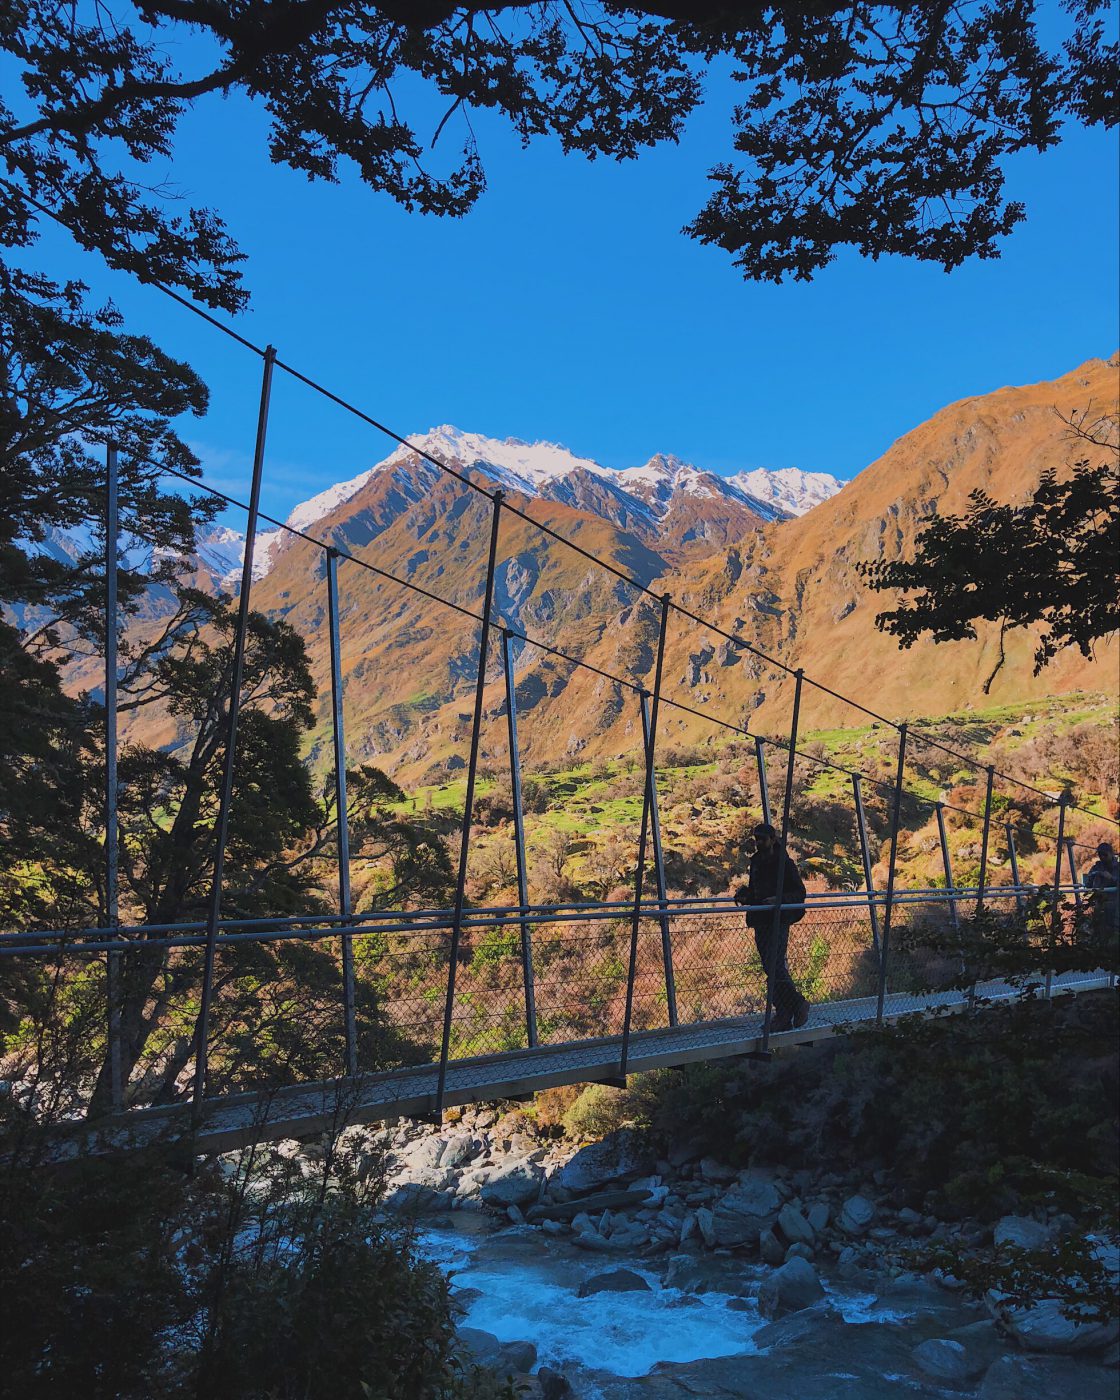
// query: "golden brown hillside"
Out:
[799,596]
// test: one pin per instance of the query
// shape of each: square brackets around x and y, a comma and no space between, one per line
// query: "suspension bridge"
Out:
[590,990]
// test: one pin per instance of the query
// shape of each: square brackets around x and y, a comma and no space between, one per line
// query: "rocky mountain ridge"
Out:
[789,586]
[640,497]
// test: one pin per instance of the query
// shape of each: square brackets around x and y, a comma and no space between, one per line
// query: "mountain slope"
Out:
[794,590]
[787,585]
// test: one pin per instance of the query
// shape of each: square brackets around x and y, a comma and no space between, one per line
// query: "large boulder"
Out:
[601,1200]
[414,1198]
[482,1346]
[856,1215]
[1043,1326]
[716,1171]
[744,1212]
[942,1359]
[789,1289]
[770,1248]
[458,1150]
[620,1154]
[515,1186]
[1022,1232]
[617,1281]
[1032,1378]
[794,1226]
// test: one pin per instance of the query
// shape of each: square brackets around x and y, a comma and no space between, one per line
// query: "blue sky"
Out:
[569,307]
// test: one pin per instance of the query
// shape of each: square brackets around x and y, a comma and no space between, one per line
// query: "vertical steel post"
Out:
[896,814]
[519,841]
[1056,908]
[947,867]
[787,801]
[1073,873]
[639,878]
[865,852]
[341,813]
[659,872]
[202,1026]
[984,840]
[112,830]
[1013,856]
[468,803]
[763,786]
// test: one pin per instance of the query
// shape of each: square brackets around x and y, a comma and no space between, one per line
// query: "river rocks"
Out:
[1044,1327]
[823,1359]
[706,1273]
[794,1226]
[507,1358]
[856,1215]
[1032,1378]
[717,1172]
[705,1223]
[593,1242]
[553,1386]
[514,1186]
[457,1150]
[1022,1232]
[517,1357]
[742,1214]
[414,1198]
[789,1289]
[599,1201]
[819,1216]
[619,1154]
[942,1359]
[770,1248]
[797,1250]
[617,1281]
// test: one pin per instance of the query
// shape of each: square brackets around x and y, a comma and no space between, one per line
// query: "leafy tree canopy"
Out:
[1051,560]
[879,126]
[71,381]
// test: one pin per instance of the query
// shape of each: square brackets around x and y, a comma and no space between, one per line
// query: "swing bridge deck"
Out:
[411,1093]
[228,1121]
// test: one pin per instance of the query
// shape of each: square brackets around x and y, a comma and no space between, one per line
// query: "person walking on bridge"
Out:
[1104,880]
[771,936]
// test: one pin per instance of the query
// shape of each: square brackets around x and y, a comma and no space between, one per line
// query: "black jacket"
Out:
[763,884]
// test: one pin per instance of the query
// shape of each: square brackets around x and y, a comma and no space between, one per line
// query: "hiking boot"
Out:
[801,1015]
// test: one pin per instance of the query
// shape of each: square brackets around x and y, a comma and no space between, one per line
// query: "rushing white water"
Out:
[519,1286]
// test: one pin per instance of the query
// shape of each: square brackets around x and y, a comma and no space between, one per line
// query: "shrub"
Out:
[136,1279]
[597,1111]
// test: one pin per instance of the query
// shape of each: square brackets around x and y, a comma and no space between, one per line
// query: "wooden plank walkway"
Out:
[300,1110]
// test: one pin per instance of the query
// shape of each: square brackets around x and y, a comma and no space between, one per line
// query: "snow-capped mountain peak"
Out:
[526,466]
[789,488]
[545,469]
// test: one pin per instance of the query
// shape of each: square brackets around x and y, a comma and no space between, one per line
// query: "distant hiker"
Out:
[772,936]
[1104,880]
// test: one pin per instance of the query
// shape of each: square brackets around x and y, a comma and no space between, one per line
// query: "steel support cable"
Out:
[925,738]
[421,920]
[481,920]
[403,583]
[777,743]
[513,510]
[717,720]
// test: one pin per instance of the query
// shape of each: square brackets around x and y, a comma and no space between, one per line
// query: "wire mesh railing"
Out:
[279,1003]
